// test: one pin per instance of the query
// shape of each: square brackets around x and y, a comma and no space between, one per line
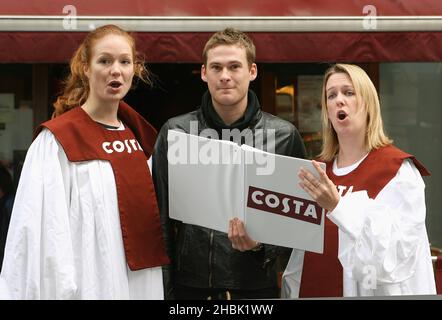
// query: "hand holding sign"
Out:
[322,190]
[238,236]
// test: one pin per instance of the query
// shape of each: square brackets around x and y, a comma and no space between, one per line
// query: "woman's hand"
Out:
[322,190]
[239,237]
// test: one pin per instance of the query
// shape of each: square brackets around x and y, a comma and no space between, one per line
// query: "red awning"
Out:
[271,47]
[222,7]
[22,41]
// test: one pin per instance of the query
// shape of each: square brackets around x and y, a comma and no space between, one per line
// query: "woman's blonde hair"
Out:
[367,98]
[76,86]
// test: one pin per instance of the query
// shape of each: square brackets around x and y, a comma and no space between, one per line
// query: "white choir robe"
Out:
[383,243]
[64,239]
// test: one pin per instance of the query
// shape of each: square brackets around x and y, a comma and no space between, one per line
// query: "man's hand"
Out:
[239,237]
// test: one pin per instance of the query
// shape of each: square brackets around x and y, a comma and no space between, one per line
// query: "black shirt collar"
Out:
[214,120]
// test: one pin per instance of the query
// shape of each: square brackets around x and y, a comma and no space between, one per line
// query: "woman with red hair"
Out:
[85,223]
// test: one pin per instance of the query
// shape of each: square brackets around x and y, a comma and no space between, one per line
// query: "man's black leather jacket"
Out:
[204,258]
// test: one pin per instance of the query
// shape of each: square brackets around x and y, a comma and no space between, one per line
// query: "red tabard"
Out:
[322,274]
[438,274]
[83,139]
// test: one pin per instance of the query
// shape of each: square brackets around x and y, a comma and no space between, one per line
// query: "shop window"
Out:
[16,115]
[411,100]
[285,106]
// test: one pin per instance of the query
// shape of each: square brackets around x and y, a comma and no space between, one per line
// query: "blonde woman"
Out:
[376,242]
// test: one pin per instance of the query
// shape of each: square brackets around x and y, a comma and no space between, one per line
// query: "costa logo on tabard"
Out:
[285,205]
[128,145]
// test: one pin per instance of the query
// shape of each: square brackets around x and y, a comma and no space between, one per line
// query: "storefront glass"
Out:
[411,102]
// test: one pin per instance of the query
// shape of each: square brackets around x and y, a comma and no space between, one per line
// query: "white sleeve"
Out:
[38,262]
[291,278]
[386,233]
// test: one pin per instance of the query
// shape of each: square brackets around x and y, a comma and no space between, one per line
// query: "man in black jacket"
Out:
[207,264]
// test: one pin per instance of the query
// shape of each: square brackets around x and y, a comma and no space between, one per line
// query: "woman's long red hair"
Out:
[76,86]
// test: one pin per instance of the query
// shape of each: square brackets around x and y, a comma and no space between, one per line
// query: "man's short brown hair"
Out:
[231,36]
